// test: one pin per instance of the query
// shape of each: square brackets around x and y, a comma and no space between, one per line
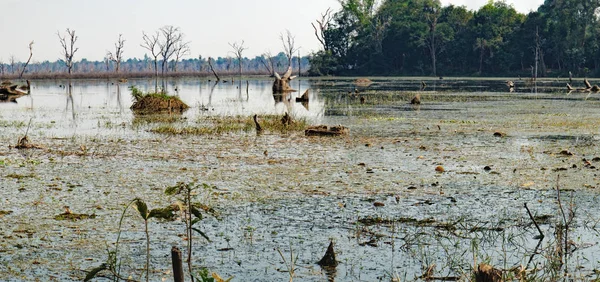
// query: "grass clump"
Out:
[155,102]
[224,125]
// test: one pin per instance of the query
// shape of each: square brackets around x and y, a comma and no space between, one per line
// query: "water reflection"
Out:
[223,99]
[70,100]
[90,103]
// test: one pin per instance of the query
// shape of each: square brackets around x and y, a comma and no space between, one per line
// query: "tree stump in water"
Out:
[282,83]
[487,273]
[328,259]
[303,98]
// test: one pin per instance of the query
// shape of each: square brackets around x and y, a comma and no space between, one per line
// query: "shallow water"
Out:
[286,191]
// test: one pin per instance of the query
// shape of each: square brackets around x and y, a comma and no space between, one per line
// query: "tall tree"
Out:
[68,44]
[491,26]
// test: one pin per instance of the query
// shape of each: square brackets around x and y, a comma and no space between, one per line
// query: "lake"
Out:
[440,185]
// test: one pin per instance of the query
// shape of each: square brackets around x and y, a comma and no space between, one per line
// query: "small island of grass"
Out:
[155,102]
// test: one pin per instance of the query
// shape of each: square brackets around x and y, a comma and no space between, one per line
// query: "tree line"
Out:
[420,37]
[166,48]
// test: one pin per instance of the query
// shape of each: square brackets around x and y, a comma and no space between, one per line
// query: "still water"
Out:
[293,194]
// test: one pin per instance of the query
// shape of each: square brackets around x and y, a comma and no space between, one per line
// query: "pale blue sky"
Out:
[208,24]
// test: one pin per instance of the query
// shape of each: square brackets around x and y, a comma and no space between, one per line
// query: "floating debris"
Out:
[323,130]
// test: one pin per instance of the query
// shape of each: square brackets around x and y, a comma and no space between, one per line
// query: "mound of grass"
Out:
[155,102]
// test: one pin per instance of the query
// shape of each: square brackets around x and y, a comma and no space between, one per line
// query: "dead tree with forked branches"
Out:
[238,49]
[172,40]
[289,45]
[69,49]
[117,56]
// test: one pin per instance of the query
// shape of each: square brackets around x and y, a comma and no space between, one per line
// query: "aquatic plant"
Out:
[190,211]
[142,208]
[113,264]
[291,264]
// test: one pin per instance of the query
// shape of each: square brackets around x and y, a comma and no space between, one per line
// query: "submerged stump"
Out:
[487,273]
[282,83]
[328,259]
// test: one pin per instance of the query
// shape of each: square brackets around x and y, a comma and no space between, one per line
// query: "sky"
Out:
[209,25]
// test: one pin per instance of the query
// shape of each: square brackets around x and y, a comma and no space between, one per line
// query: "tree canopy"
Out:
[420,37]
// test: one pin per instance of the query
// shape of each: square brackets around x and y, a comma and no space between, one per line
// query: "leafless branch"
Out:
[212,69]
[323,27]
[28,60]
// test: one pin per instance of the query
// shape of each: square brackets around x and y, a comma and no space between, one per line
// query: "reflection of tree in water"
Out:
[119,102]
[212,89]
[70,100]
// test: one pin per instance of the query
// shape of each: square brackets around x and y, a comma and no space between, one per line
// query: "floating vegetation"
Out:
[18,176]
[69,215]
[3,213]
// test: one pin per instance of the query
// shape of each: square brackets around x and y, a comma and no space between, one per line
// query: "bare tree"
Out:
[117,56]
[1,67]
[323,27]
[28,60]
[289,48]
[238,49]
[181,49]
[171,37]
[267,61]
[68,47]
[151,44]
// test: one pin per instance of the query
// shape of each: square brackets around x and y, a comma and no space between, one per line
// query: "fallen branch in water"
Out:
[541,236]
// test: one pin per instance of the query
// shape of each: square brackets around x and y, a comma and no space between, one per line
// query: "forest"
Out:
[422,37]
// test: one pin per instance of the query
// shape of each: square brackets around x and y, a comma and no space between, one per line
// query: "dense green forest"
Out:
[420,37]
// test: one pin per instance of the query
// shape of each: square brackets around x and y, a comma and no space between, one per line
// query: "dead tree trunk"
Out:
[213,69]
[27,63]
